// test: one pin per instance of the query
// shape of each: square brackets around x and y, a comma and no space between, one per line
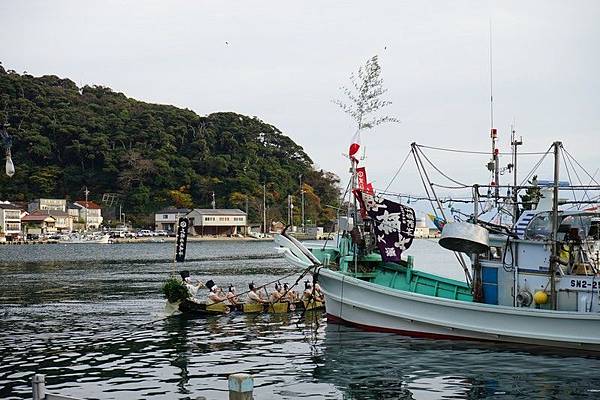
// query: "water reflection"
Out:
[383,366]
[87,326]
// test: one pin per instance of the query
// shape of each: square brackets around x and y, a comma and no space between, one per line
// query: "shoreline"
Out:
[173,240]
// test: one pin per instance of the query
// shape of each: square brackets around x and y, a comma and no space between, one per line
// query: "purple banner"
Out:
[394,224]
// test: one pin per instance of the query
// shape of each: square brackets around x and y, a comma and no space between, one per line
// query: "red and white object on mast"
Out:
[354,147]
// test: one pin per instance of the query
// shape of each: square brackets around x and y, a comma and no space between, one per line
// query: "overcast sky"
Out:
[284,62]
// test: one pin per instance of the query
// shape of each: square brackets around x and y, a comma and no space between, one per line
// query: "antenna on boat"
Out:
[494,165]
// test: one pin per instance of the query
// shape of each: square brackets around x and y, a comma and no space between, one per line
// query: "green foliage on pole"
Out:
[175,290]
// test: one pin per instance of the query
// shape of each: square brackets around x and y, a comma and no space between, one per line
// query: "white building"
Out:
[47,204]
[219,222]
[166,219]
[422,230]
[90,213]
[10,221]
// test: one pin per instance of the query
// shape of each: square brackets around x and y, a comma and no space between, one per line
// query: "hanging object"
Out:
[437,221]
[394,224]
[10,167]
[465,237]
[182,231]
[363,185]
[354,145]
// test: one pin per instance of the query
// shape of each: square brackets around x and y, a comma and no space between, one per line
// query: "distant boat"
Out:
[95,238]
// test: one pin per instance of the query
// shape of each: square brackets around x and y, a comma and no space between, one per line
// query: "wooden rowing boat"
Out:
[192,307]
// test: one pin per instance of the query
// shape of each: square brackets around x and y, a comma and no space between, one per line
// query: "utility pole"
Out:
[302,202]
[87,192]
[290,210]
[265,208]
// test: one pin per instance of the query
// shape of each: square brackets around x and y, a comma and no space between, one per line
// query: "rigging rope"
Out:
[583,169]
[440,172]
[397,172]
[536,166]
[472,151]
[564,159]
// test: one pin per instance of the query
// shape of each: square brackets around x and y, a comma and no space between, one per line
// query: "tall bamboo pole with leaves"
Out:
[363,103]
[364,96]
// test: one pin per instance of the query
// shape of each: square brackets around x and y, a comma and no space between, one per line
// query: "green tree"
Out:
[532,195]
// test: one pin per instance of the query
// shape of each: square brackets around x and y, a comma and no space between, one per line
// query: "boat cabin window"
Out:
[571,227]
[540,227]
[493,254]
[594,232]
[578,226]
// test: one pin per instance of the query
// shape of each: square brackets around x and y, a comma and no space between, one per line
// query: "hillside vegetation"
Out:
[151,156]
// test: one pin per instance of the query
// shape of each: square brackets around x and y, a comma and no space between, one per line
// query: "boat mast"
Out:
[554,258]
[495,164]
[421,167]
[477,278]
[354,185]
[515,144]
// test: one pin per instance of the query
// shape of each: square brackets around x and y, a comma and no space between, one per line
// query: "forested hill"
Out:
[151,156]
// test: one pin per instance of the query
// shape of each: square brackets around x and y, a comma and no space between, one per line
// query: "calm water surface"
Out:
[82,315]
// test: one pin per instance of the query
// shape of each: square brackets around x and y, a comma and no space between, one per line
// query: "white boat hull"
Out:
[105,239]
[374,307]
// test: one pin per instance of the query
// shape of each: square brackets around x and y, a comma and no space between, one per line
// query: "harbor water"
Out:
[90,317]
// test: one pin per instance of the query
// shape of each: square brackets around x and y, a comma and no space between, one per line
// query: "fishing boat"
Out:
[532,281]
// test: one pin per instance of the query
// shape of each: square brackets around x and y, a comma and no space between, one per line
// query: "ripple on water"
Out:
[76,316]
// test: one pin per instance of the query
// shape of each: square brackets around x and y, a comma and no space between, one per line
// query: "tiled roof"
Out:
[173,210]
[219,211]
[9,206]
[36,217]
[90,205]
[52,213]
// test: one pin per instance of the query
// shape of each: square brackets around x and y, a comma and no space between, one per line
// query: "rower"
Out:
[253,295]
[310,293]
[291,295]
[192,285]
[215,295]
[232,297]
[276,294]
[317,289]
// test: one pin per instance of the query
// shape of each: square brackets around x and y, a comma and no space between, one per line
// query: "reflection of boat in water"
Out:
[196,308]
[96,238]
[536,282]
[401,367]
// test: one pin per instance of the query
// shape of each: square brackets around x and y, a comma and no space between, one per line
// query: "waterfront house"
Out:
[217,222]
[47,204]
[38,223]
[10,221]
[166,219]
[90,213]
[63,222]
